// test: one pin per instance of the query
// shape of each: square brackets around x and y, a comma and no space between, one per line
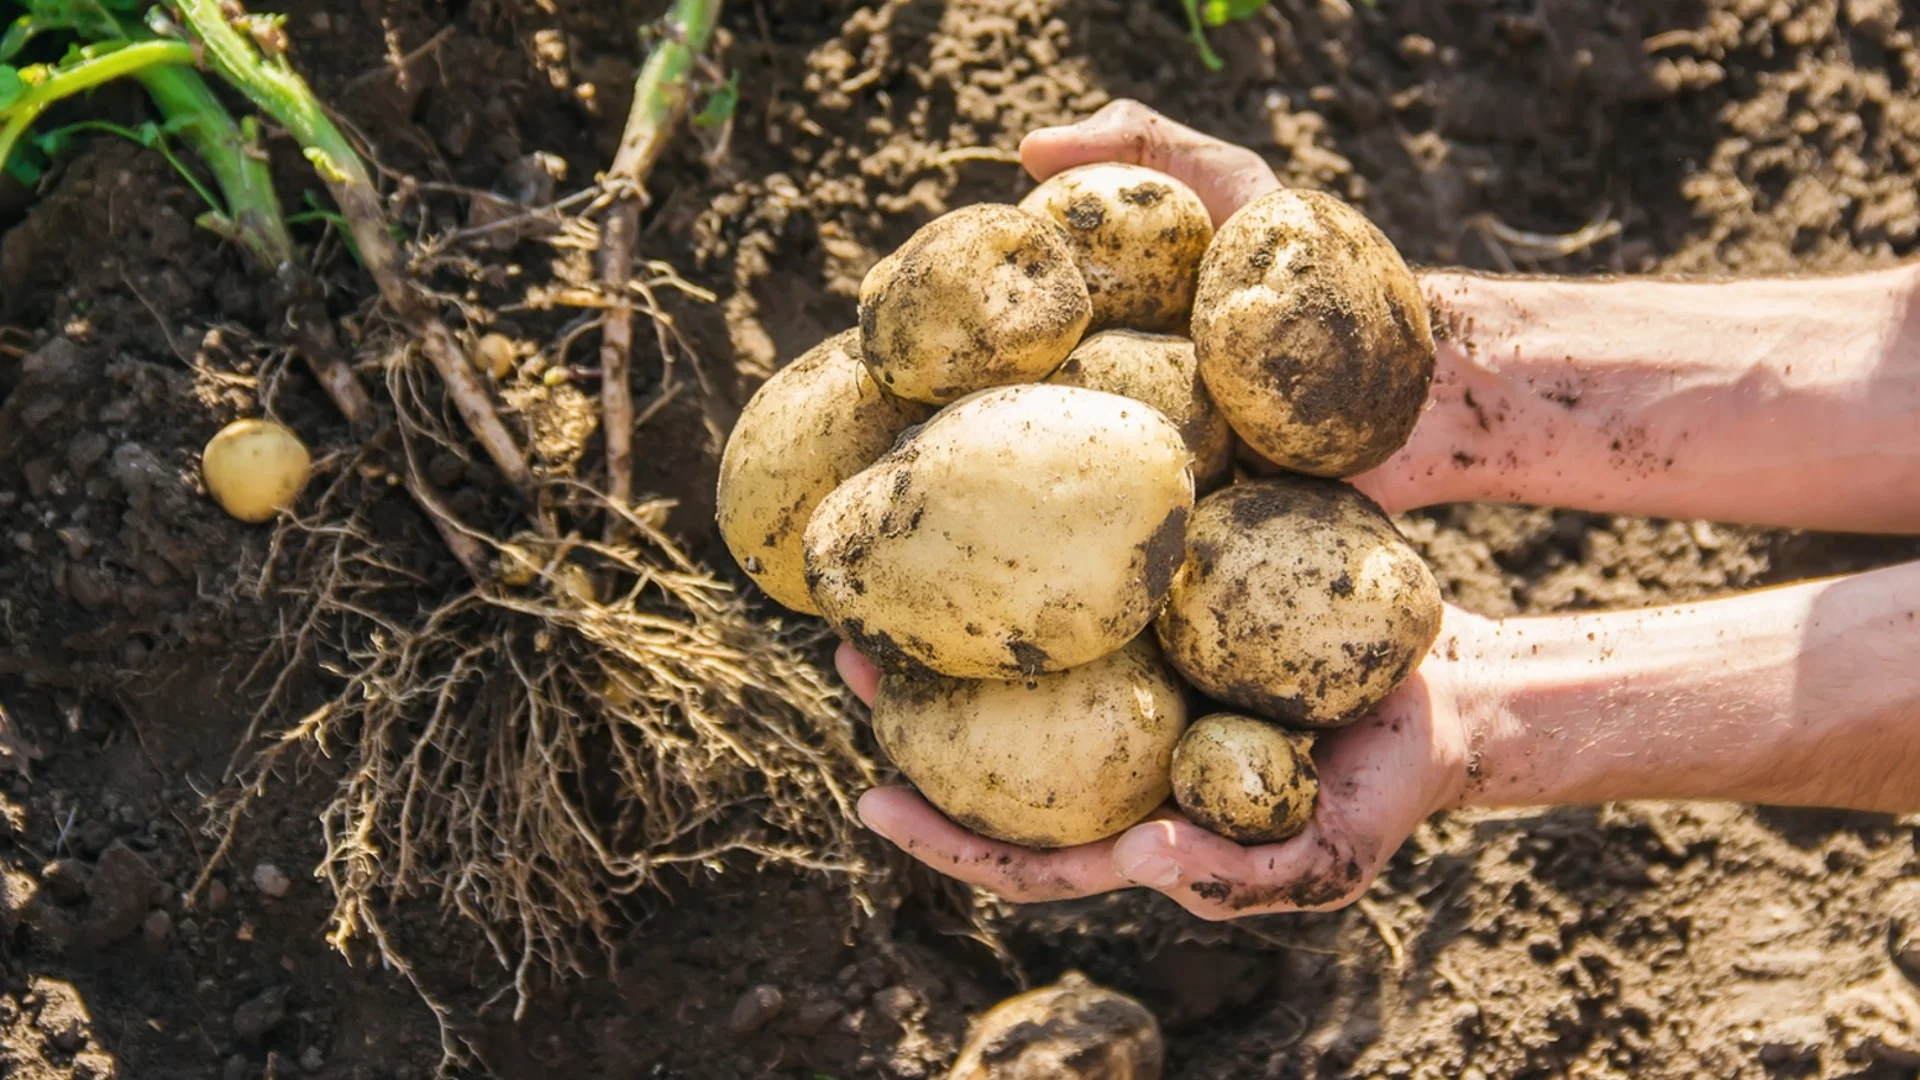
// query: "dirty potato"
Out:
[1072,1030]
[1046,762]
[1299,600]
[1160,370]
[982,296]
[1139,235]
[1312,334]
[816,422]
[1026,529]
[1248,780]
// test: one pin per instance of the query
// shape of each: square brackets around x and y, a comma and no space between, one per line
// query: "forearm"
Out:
[1803,695]
[1790,402]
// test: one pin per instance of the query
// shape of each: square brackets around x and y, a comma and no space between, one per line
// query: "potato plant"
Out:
[1041,541]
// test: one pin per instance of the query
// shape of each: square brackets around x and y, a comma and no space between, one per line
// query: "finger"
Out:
[1019,874]
[1216,878]
[857,672]
[1225,176]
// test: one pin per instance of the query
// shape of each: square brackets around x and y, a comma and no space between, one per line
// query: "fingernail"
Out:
[1153,871]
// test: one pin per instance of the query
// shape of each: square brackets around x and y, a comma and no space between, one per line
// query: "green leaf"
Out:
[720,104]
[12,87]
[26,165]
[19,32]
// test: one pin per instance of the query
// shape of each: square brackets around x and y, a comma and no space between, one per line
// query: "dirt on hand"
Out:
[1576,136]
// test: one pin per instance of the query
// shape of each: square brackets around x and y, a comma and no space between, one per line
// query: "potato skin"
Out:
[254,468]
[1312,334]
[1248,780]
[1160,370]
[1072,1030]
[979,297]
[1299,600]
[1025,529]
[1046,762]
[1138,234]
[816,422]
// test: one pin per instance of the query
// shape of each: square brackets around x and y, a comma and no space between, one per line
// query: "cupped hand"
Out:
[1379,778]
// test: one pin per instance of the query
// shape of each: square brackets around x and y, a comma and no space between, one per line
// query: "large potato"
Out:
[1072,1030]
[979,297]
[1300,600]
[1139,235]
[1158,369]
[1046,762]
[816,422]
[1245,779]
[1312,334]
[1025,529]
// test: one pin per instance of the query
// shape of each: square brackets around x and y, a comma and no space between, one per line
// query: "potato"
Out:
[1160,370]
[1046,762]
[979,297]
[1138,234]
[1299,600]
[255,468]
[1245,779]
[1072,1030]
[1026,529]
[816,422]
[1312,334]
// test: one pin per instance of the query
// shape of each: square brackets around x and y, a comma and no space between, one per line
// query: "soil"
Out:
[1645,941]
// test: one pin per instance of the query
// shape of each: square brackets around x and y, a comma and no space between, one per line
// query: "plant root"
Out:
[528,758]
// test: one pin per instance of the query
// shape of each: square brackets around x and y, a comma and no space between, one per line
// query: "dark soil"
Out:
[1646,941]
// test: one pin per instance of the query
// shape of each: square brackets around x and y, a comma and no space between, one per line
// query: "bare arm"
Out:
[1803,695]
[1770,401]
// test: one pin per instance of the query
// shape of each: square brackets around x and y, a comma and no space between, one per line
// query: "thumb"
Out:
[1225,176]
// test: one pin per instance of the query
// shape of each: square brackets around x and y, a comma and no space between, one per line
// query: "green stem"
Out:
[660,90]
[251,214]
[272,85]
[1198,31]
[230,153]
[53,84]
[660,96]
[159,146]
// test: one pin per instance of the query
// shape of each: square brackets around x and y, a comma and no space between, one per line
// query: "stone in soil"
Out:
[121,889]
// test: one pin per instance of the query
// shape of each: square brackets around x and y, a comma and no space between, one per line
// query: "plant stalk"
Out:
[50,85]
[271,84]
[660,97]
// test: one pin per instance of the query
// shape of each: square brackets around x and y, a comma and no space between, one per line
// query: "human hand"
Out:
[1379,779]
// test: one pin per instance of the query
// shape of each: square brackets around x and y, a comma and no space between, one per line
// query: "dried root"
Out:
[527,757]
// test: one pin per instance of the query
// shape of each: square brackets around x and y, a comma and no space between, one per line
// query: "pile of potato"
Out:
[1074,485]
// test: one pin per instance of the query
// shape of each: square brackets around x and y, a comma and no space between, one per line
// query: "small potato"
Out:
[1023,530]
[979,297]
[255,468]
[1245,779]
[1072,1030]
[1046,762]
[1312,334]
[1160,370]
[1299,600]
[1139,235]
[816,422]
